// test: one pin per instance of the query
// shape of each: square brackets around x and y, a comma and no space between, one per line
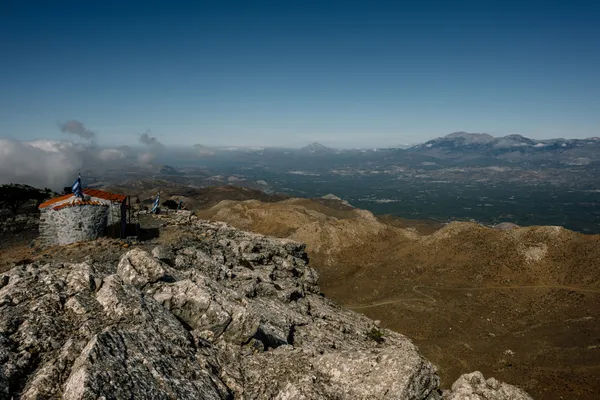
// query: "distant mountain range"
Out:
[511,148]
[475,148]
[459,157]
[454,145]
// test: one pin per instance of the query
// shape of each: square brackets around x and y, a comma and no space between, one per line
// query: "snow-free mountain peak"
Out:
[316,147]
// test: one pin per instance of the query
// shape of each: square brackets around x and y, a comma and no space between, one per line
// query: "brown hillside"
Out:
[520,304]
[192,197]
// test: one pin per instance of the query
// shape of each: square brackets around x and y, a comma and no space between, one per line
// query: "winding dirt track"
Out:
[432,300]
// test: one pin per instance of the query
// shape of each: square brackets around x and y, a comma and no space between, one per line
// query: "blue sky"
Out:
[292,72]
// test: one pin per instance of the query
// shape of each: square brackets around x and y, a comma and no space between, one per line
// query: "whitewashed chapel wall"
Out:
[73,224]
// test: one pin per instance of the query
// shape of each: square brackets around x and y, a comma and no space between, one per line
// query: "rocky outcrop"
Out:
[217,314]
[474,386]
[13,224]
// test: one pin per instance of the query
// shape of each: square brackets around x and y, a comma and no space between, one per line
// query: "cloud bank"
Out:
[42,163]
[55,164]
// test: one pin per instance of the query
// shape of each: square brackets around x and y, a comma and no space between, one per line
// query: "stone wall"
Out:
[47,228]
[116,215]
[73,224]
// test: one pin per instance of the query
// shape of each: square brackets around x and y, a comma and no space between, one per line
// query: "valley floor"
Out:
[543,338]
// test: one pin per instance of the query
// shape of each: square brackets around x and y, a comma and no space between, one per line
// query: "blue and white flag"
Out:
[156,203]
[76,188]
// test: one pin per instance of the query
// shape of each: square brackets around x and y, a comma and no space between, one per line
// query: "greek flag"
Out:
[156,203]
[76,188]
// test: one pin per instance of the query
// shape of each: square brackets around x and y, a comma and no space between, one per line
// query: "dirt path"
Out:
[415,289]
[431,300]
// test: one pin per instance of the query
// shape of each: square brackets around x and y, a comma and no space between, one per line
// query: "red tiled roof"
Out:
[119,198]
[78,203]
[55,200]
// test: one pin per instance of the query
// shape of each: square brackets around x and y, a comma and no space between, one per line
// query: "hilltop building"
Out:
[69,219]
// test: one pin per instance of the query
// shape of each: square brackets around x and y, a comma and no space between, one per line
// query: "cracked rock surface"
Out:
[227,315]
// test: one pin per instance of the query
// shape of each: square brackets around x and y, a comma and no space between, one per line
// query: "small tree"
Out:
[170,204]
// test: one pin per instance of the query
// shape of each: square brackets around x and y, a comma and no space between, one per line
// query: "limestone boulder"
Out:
[139,268]
[164,254]
[474,386]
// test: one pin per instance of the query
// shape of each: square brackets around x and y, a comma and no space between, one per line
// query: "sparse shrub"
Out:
[14,196]
[170,204]
[375,335]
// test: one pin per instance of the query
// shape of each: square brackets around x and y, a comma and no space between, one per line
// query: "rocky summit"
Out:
[214,313]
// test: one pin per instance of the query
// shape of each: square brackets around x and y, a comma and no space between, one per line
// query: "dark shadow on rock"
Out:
[148,234]
[268,337]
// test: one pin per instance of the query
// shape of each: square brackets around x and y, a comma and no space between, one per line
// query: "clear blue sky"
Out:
[293,72]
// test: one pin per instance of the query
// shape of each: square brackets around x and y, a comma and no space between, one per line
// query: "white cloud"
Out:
[53,164]
[111,155]
[203,150]
[43,163]
[146,158]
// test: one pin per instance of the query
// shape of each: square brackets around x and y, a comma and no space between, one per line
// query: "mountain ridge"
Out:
[461,138]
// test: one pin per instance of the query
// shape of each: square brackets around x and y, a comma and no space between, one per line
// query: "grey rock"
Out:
[474,386]
[81,277]
[235,315]
[15,224]
[139,268]
[126,364]
[164,254]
